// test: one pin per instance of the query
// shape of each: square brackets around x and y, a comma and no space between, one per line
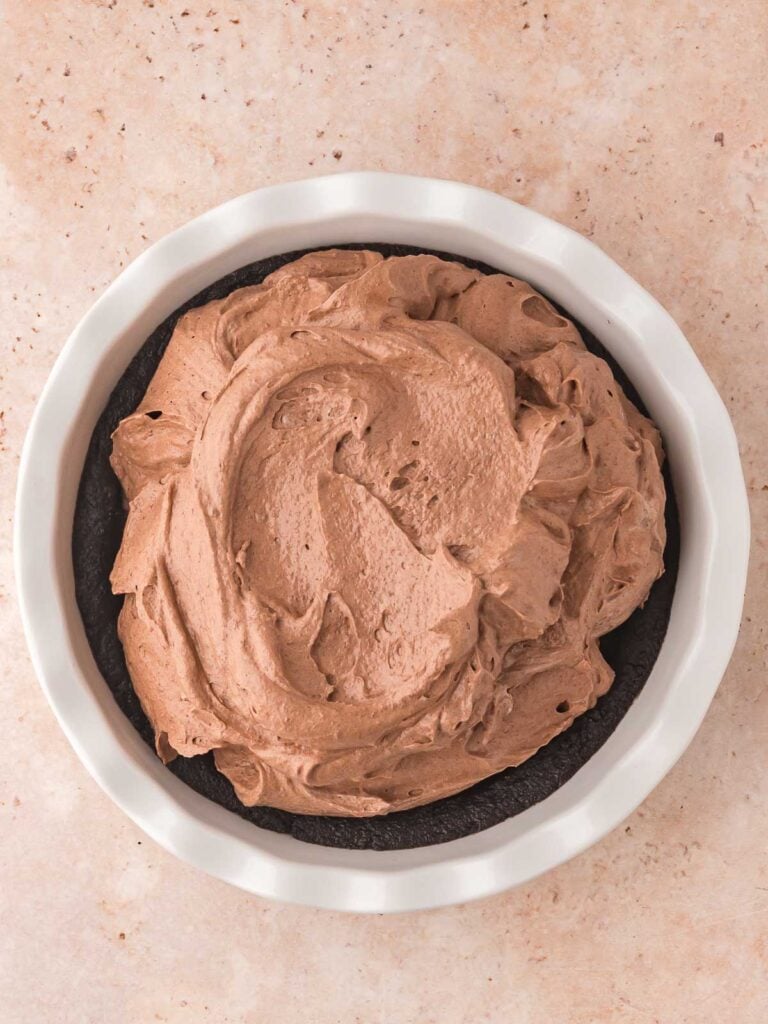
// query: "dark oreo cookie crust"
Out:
[631,649]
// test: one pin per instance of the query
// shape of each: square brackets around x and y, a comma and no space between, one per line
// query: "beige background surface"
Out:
[641,124]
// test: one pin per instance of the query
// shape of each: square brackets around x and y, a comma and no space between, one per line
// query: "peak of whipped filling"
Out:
[380,511]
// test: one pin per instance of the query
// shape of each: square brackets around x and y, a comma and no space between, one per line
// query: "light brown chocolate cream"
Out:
[380,512]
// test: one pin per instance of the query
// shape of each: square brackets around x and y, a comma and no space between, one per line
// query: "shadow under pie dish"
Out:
[535,831]
[383,506]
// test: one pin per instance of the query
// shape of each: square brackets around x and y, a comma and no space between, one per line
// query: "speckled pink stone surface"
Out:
[643,125]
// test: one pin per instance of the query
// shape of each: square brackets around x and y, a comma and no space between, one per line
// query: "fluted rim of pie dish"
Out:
[650,347]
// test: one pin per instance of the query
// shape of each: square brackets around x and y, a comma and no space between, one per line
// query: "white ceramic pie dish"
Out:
[707,476]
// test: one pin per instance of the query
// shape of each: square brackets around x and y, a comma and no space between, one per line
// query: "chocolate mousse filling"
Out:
[389,524]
